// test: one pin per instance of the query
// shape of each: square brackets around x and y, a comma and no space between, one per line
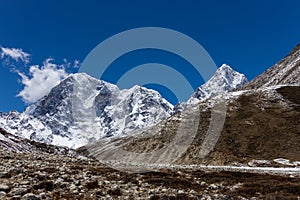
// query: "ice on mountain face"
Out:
[25,126]
[82,109]
[143,107]
[224,80]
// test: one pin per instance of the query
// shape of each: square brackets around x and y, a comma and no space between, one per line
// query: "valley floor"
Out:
[47,176]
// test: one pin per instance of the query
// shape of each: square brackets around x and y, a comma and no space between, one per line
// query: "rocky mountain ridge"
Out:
[285,72]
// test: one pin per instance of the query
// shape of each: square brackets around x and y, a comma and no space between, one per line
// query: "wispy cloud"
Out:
[71,65]
[76,64]
[40,80]
[14,54]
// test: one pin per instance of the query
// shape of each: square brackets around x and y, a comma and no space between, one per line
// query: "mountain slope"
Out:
[261,127]
[11,142]
[285,72]
[224,80]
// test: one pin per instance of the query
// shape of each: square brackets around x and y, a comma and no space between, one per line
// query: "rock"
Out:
[77,182]
[75,192]
[4,175]
[72,187]
[15,171]
[4,188]
[16,197]
[59,180]
[30,196]
[65,176]
[18,191]
[43,195]
[24,183]
[2,194]
[40,176]
[47,185]
[180,191]
[213,187]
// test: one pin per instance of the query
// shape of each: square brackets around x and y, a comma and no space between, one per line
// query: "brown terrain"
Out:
[260,128]
[48,176]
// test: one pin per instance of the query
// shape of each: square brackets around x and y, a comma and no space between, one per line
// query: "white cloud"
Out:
[15,54]
[67,64]
[76,64]
[41,80]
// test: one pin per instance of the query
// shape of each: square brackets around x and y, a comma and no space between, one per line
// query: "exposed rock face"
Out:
[82,109]
[285,72]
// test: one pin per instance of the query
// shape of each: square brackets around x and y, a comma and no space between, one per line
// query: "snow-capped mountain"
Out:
[26,126]
[82,109]
[224,80]
[285,72]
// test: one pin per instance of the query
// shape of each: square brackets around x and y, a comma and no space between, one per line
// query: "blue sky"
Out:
[250,36]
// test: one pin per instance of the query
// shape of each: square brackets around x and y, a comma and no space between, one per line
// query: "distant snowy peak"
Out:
[224,80]
[233,78]
[285,72]
[82,109]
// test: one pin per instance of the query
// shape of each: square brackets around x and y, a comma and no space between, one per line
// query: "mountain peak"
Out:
[80,77]
[224,67]
[224,80]
[227,70]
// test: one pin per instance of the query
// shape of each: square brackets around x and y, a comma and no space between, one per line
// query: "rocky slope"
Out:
[285,72]
[11,142]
